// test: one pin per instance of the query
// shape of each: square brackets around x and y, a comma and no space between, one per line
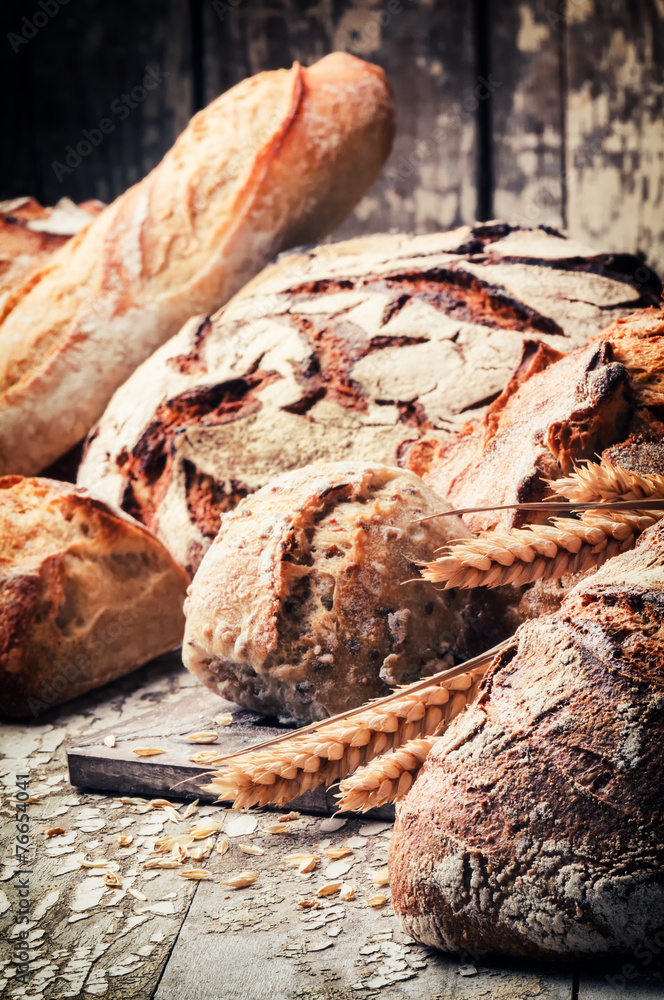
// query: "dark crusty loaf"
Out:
[342,353]
[536,827]
[86,594]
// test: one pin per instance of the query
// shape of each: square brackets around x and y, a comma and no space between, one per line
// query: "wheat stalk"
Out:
[593,482]
[320,754]
[539,551]
[615,506]
[385,779]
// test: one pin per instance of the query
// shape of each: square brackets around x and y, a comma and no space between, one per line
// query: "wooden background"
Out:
[547,111]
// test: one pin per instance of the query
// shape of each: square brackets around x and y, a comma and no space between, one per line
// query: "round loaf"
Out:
[298,607]
[86,594]
[536,825]
[341,353]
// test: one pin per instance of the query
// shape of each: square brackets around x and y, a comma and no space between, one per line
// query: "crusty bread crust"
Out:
[535,827]
[342,352]
[86,594]
[30,233]
[299,608]
[281,158]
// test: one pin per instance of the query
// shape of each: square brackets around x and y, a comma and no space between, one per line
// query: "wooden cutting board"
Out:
[117,769]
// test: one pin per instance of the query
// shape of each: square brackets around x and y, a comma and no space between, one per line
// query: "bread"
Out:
[341,352]
[86,594]
[30,233]
[536,825]
[554,411]
[278,160]
[298,608]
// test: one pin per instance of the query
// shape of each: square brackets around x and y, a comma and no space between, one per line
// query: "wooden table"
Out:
[163,936]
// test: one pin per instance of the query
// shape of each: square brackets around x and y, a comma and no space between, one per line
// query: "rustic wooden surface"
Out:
[541,111]
[94,766]
[528,119]
[205,940]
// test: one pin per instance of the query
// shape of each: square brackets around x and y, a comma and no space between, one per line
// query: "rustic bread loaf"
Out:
[30,233]
[298,607]
[278,160]
[86,594]
[554,411]
[340,353]
[536,825]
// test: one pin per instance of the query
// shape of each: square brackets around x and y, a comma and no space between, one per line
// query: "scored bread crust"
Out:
[535,827]
[86,594]
[30,233]
[280,159]
[340,352]
[298,608]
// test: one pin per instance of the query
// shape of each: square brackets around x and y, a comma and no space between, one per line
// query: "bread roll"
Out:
[280,159]
[535,826]
[342,352]
[86,594]
[298,608]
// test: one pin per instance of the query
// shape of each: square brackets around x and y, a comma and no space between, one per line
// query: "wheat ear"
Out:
[385,779]
[320,754]
[606,481]
[539,551]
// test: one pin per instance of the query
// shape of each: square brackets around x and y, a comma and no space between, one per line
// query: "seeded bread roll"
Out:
[86,594]
[278,160]
[535,826]
[299,608]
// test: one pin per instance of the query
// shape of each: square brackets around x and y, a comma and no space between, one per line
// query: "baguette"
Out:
[278,160]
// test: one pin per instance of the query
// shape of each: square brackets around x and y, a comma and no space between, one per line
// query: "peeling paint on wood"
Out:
[615,138]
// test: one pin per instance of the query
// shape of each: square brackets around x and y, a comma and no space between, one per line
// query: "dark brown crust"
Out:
[535,828]
[148,467]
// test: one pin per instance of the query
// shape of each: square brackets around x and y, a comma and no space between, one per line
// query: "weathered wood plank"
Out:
[628,979]
[615,125]
[257,944]
[527,114]
[85,939]
[96,767]
[427,52]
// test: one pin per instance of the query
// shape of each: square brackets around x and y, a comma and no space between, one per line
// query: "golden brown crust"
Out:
[638,344]
[282,157]
[535,828]
[555,411]
[30,233]
[86,594]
